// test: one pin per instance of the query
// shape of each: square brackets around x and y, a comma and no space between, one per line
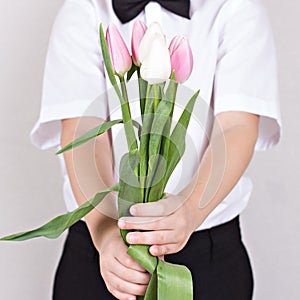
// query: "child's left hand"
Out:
[166,224]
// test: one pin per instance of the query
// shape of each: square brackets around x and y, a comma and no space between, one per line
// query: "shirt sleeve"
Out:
[246,72]
[74,82]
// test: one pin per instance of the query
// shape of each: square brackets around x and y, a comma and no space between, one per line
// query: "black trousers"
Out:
[216,257]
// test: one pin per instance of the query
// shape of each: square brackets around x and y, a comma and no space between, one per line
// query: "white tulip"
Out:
[154,56]
[146,41]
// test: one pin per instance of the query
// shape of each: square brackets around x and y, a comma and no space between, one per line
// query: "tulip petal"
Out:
[138,32]
[120,57]
[147,39]
[156,66]
[181,58]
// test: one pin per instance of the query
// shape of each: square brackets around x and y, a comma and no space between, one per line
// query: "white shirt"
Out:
[234,67]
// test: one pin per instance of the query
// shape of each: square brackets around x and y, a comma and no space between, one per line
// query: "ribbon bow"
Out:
[128,10]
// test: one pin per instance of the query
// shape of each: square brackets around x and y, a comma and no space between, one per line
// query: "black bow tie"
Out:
[127,10]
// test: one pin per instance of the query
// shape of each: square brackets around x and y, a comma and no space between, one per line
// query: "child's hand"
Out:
[167,224]
[123,276]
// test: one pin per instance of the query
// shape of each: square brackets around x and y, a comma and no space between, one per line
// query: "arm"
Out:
[90,170]
[230,150]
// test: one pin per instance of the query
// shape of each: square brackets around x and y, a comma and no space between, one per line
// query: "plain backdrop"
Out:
[30,179]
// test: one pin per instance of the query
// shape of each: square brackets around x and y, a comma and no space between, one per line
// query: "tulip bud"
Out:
[139,29]
[119,54]
[147,40]
[181,58]
[154,56]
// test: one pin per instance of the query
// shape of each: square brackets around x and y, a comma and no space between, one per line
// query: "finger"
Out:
[163,207]
[161,257]
[114,265]
[121,286]
[143,223]
[161,250]
[128,262]
[130,275]
[150,209]
[159,237]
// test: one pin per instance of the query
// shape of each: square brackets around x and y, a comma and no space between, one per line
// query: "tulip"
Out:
[119,54]
[154,56]
[147,39]
[181,58]
[139,29]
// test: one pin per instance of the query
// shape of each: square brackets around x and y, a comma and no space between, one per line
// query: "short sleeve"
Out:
[246,71]
[74,82]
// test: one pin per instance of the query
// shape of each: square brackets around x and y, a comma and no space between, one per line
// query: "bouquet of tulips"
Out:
[154,147]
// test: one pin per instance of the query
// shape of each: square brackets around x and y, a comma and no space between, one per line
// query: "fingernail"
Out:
[154,251]
[132,210]
[121,223]
[130,238]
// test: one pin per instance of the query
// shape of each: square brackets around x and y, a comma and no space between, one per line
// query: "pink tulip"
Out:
[119,54]
[138,31]
[181,58]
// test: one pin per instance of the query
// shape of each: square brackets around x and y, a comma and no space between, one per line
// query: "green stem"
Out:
[143,87]
[126,114]
[144,144]
[156,96]
[170,96]
[147,98]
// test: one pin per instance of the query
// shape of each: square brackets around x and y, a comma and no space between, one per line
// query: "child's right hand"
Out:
[123,276]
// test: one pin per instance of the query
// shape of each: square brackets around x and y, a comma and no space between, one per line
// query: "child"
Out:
[235,68]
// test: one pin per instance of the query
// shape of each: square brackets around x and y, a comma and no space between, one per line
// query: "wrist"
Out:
[196,213]
[102,232]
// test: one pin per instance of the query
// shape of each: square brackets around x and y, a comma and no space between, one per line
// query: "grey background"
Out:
[30,180]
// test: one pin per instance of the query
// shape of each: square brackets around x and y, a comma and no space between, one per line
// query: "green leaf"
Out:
[137,125]
[171,92]
[89,135]
[106,59]
[132,70]
[143,86]
[58,225]
[144,144]
[156,188]
[159,181]
[126,114]
[151,292]
[157,89]
[129,191]
[142,255]
[96,132]
[129,186]
[177,138]
[174,282]
[170,96]
[159,143]
[160,120]
[130,137]
[168,281]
